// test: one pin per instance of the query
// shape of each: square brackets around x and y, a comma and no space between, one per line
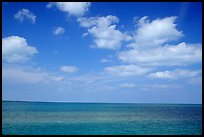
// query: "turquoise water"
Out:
[100,118]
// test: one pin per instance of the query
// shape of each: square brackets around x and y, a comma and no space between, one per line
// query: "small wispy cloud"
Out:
[104,60]
[25,14]
[59,30]
[85,34]
[69,69]
[127,70]
[127,85]
[151,87]
[175,74]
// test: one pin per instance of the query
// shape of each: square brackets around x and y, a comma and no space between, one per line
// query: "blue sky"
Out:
[130,52]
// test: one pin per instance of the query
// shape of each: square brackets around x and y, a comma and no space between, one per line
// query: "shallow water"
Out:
[100,118]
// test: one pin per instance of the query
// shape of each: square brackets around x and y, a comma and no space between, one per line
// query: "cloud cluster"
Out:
[104,32]
[16,49]
[25,14]
[59,30]
[149,47]
[146,48]
[181,54]
[71,8]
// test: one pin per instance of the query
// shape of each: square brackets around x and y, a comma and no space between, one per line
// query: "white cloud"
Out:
[98,21]
[181,54]
[176,74]
[127,70]
[104,60]
[85,34]
[71,8]
[149,49]
[69,69]
[16,49]
[59,30]
[104,31]
[157,32]
[25,14]
[127,85]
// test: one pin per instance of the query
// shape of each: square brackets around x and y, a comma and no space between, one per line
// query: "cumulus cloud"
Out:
[71,8]
[25,14]
[104,31]
[181,54]
[69,69]
[127,70]
[59,30]
[16,49]
[150,45]
[176,74]
[156,32]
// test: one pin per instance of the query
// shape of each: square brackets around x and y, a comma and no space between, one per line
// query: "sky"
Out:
[112,52]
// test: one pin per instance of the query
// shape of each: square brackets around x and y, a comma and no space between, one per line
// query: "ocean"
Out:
[44,118]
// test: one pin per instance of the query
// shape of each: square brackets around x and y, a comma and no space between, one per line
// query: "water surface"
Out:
[100,118]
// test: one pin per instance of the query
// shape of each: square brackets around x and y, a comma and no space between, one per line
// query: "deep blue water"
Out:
[100,118]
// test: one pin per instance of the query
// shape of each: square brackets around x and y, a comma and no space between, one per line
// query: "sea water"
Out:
[29,118]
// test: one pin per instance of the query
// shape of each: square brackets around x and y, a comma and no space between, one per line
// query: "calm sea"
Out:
[100,118]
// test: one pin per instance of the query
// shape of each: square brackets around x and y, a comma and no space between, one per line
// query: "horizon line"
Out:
[98,102]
